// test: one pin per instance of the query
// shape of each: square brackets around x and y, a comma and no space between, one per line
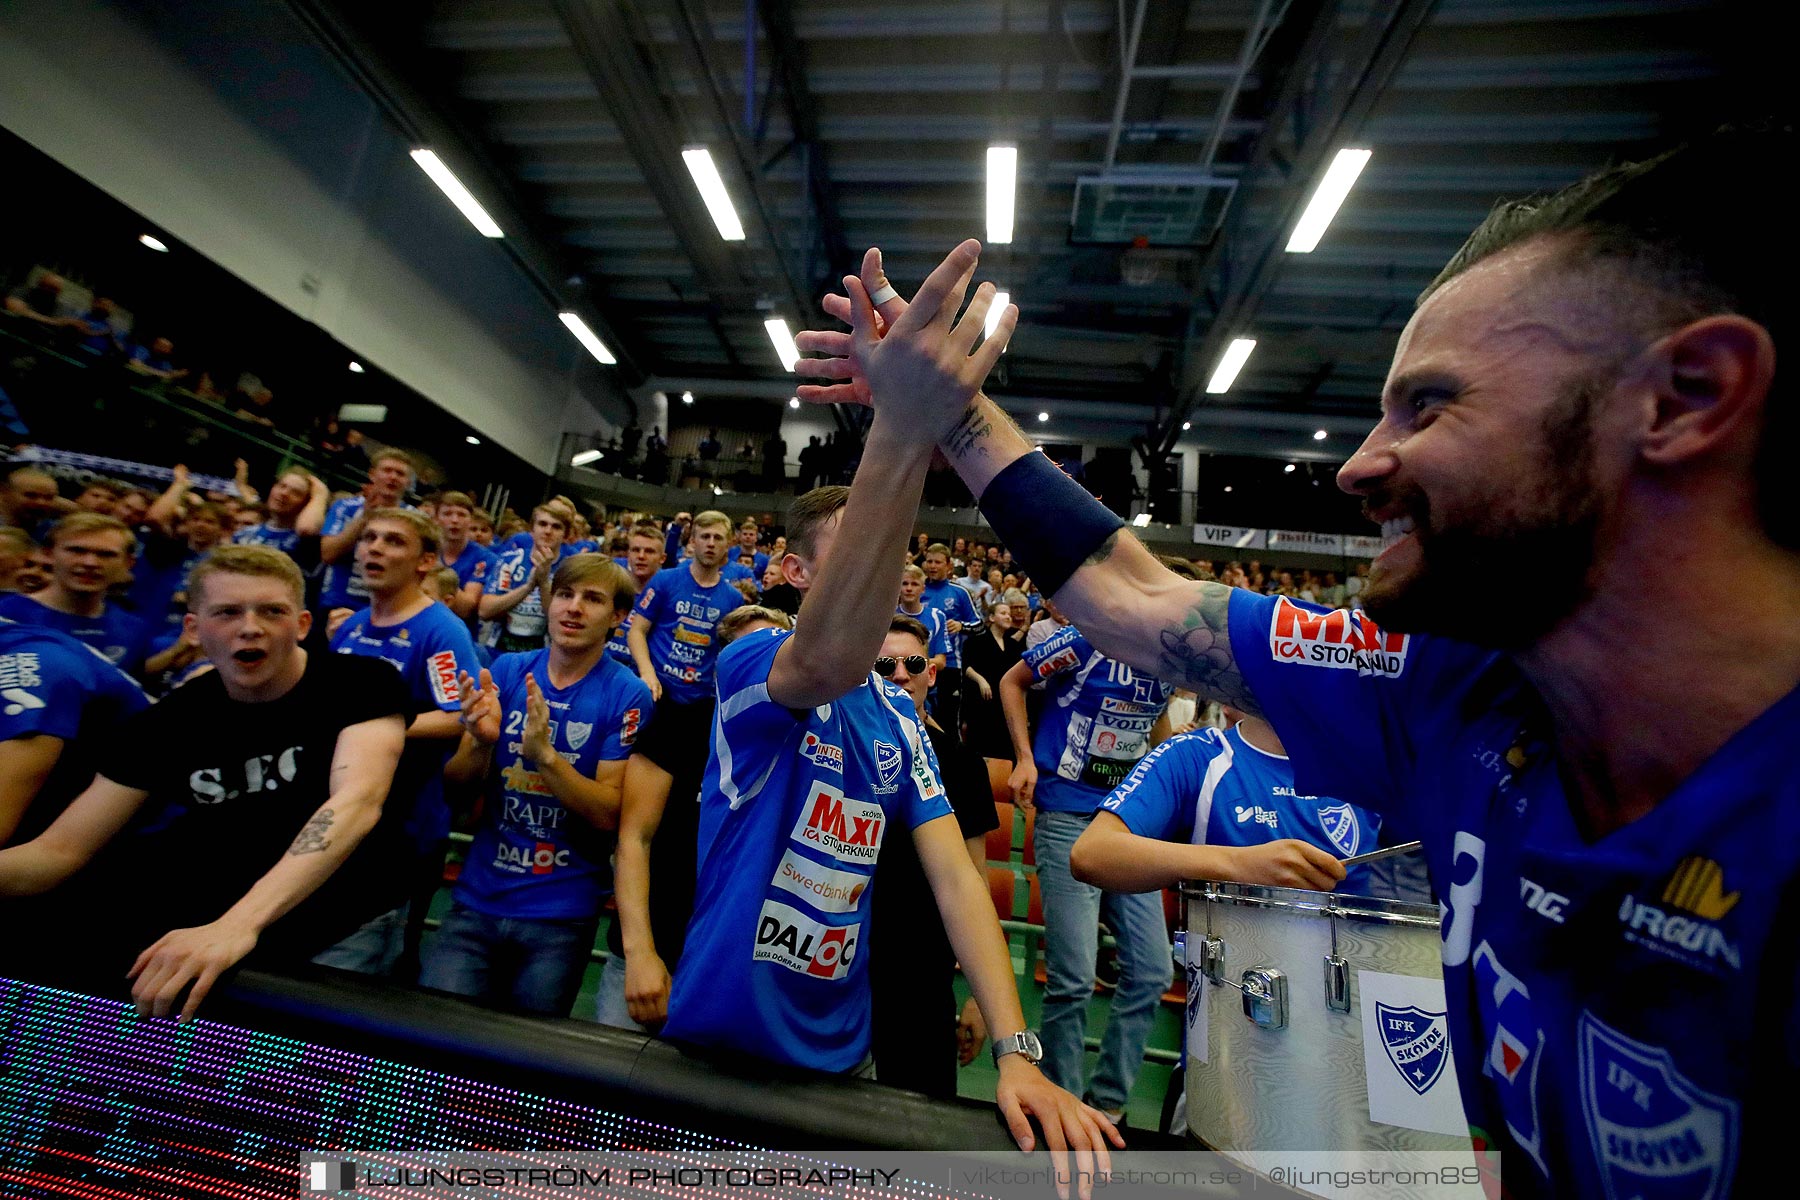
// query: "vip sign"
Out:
[1406,1053]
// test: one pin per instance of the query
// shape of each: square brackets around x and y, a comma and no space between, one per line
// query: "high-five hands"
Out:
[916,356]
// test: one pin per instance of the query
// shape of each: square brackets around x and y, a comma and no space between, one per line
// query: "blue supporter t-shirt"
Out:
[475,564]
[1211,787]
[284,540]
[54,686]
[793,812]
[533,858]
[618,649]
[933,620]
[1095,724]
[954,601]
[120,637]
[512,567]
[684,615]
[1614,1004]
[342,585]
[430,649]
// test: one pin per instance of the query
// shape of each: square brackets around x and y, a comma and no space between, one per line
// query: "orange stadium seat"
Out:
[1000,889]
[1000,840]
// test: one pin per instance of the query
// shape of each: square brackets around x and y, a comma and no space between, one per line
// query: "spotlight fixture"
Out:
[1319,435]
[356,368]
[584,457]
[687,397]
[1288,470]
[1043,416]
[472,439]
[793,402]
[1186,425]
[154,243]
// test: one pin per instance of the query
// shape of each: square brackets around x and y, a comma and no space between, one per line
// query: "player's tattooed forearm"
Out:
[313,835]
[1197,651]
[968,432]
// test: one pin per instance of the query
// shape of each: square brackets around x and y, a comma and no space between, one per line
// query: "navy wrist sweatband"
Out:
[1046,519]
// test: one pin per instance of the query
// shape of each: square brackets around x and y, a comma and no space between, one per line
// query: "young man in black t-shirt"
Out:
[246,792]
[912,978]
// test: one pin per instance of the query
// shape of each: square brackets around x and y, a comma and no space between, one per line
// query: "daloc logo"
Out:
[1339,823]
[1654,1133]
[1417,1043]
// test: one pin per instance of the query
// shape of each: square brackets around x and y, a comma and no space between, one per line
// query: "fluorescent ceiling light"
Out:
[586,337]
[784,342]
[1319,435]
[459,195]
[1043,416]
[793,402]
[1142,520]
[1230,363]
[471,439]
[700,165]
[1002,184]
[996,310]
[1339,178]
[584,458]
[356,368]
[154,243]
[1288,470]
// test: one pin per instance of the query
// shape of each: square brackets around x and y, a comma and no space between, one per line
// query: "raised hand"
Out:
[480,707]
[924,362]
[536,739]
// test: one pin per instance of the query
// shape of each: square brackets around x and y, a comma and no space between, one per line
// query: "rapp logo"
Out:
[844,827]
[1340,640]
[794,940]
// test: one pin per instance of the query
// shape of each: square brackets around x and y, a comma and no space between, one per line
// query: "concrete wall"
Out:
[227,125]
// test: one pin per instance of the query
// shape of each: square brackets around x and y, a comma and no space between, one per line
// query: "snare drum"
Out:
[1316,1022]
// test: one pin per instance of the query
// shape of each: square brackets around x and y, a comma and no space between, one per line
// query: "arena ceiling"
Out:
[1200,126]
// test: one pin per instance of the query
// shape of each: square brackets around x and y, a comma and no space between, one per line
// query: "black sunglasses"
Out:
[915,665]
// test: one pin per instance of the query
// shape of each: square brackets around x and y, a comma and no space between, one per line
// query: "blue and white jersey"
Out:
[430,649]
[1613,1003]
[617,648]
[1095,723]
[532,858]
[473,565]
[951,599]
[512,567]
[684,616]
[342,584]
[1211,787]
[933,620]
[284,540]
[118,636]
[793,813]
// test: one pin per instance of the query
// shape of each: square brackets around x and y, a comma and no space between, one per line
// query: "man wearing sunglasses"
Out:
[913,977]
[814,758]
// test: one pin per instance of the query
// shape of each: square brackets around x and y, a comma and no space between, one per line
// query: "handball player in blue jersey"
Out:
[549,732]
[671,634]
[60,702]
[431,649]
[1599,762]
[643,559]
[816,760]
[1096,722]
[1221,804]
[516,586]
[473,564]
[342,586]
[89,555]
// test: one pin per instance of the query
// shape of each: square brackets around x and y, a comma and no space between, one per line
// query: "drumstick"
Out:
[1402,848]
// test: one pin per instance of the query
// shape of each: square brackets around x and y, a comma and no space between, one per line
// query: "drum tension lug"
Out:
[1337,984]
[1212,958]
[1266,997]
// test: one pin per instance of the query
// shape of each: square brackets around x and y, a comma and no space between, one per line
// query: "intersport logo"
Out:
[1340,640]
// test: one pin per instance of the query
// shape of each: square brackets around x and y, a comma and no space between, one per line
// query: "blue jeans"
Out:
[373,949]
[531,965]
[1072,914]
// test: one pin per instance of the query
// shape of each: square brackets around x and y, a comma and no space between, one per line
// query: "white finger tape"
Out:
[885,294]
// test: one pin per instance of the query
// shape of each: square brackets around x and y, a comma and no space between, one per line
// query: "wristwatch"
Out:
[1023,1043]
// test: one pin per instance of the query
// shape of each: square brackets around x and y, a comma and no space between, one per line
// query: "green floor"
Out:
[976,1080]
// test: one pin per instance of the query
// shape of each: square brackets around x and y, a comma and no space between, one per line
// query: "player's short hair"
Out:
[80,524]
[115,490]
[390,454]
[16,540]
[481,516]
[421,525]
[911,570]
[808,516]
[264,562]
[456,500]
[712,518]
[912,627]
[206,508]
[733,623]
[937,548]
[562,515]
[579,569]
[440,584]
[645,529]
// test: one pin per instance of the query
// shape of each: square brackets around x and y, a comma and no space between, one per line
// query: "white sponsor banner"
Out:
[1310,543]
[1406,1053]
[822,887]
[1241,537]
[1357,546]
